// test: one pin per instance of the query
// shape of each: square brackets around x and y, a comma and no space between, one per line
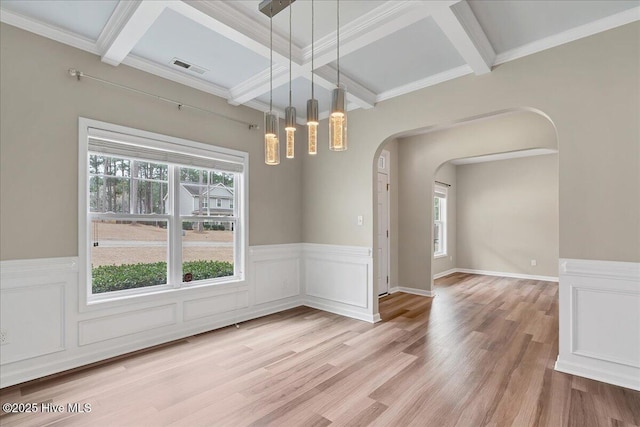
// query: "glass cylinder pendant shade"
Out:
[271,143]
[290,129]
[312,125]
[338,121]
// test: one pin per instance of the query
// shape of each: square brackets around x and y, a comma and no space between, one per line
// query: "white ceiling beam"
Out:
[462,28]
[382,21]
[226,20]
[379,23]
[356,93]
[259,83]
[128,23]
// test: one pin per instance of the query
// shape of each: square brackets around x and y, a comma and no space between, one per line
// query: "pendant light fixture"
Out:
[290,111]
[312,104]
[271,122]
[338,115]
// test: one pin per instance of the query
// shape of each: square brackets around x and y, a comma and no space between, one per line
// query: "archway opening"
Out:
[418,157]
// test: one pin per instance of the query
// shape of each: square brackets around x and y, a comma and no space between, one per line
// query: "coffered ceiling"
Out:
[387,48]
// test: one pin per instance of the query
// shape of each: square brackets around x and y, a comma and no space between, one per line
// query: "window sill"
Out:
[439,256]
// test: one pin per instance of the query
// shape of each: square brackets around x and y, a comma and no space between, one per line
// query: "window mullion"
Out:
[175,229]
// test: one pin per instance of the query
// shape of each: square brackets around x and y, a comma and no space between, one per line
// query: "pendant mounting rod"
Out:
[272,7]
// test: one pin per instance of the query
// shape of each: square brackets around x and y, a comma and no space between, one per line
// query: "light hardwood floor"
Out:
[480,353]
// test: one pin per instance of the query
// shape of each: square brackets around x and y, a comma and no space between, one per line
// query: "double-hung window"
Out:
[144,223]
[440,221]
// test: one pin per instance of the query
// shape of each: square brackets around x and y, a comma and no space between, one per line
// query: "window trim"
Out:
[441,192]
[176,145]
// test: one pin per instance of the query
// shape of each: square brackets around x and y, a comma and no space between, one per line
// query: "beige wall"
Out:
[508,215]
[40,106]
[420,157]
[447,174]
[588,88]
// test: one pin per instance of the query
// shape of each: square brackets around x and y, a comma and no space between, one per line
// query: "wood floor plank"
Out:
[481,352]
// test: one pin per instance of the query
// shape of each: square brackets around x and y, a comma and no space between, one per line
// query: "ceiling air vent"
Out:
[176,62]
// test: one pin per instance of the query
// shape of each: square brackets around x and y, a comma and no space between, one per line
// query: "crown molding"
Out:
[608,23]
[435,79]
[48,31]
[176,76]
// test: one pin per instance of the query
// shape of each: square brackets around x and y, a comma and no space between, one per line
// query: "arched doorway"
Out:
[425,150]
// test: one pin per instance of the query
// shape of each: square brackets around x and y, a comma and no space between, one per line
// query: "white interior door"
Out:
[383,225]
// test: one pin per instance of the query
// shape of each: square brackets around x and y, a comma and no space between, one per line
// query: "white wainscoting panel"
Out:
[48,333]
[597,333]
[275,272]
[33,319]
[225,303]
[600,321]
[123,324]
[339,279]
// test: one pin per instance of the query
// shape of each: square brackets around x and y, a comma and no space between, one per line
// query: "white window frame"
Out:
[440,192]
[171,145]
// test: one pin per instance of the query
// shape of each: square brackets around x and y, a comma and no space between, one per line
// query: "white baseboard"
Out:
[340,309]
[445,273]
[412,291]
[605,376]
[504,274]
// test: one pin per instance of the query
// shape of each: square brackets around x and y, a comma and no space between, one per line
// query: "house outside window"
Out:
[440,221]
[218,203]
[138,233]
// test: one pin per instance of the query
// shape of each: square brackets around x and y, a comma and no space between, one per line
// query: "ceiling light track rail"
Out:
[180,105]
